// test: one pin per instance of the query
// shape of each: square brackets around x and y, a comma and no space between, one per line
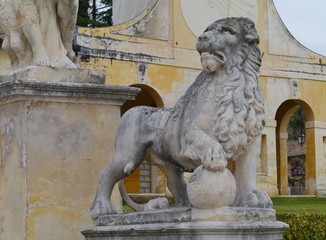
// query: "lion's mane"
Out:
[240,112]
[240,106]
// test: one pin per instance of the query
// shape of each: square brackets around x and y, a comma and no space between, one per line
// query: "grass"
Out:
[299,205]
[295,205]
[127,209]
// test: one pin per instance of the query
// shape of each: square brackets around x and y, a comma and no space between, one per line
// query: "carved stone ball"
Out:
[209,189]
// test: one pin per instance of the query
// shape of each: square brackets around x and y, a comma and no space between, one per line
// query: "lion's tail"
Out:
[127,199]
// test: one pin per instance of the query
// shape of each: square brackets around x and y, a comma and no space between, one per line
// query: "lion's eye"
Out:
[226,29]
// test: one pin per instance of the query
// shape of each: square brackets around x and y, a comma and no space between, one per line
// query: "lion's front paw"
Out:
[42,59]
[102,206]
[255,199]
[215,159]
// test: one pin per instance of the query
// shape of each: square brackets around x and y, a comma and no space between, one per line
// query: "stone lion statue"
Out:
[219,118]
[39,32]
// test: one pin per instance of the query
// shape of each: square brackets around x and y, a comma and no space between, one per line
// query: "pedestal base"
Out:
[269,230]
[189,223]
[55,139]
[47,74]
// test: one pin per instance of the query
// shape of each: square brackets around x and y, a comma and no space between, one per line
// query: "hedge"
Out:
[307,226]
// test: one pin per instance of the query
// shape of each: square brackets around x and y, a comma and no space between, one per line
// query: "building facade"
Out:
[155,51]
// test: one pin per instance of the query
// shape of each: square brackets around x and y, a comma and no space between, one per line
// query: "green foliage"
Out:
[305,226]
[296,124]
[105,17]
[127,209]
[94,13]
[83,17]
[305,215]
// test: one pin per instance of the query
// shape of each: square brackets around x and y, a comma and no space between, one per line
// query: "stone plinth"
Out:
[47,74]
[189,223]
[56,137]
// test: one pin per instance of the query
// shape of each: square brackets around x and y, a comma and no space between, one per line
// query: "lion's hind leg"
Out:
[67,14]
[177,185]
[12,55]
[122,164]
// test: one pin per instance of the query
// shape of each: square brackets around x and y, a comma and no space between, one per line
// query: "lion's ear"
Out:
[251,35]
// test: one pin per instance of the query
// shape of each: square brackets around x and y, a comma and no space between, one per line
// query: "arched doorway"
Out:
[146,178]
[147,97]
[285,180]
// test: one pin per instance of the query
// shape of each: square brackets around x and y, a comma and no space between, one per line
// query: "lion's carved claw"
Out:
[215,159]
[41,58]
[101,207]
[255,199]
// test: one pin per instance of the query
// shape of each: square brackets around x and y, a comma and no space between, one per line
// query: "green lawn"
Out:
[296,205]
[299,205]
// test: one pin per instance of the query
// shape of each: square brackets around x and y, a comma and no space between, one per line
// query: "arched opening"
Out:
[147,97]
[296,167]
[147,178]
[296,151]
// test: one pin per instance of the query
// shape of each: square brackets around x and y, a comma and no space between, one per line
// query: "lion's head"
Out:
[229,47]
[223,39]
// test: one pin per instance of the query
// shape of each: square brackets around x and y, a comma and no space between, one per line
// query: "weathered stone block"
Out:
[55,140]
[47,74]
[189,223]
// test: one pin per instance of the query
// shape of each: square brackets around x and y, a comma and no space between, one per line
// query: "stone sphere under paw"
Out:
[208,189]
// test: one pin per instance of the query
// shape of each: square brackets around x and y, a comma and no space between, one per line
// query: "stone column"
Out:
[316,158]
[310,160]
[283,164]
[56,137]
[267,172]
[321,166]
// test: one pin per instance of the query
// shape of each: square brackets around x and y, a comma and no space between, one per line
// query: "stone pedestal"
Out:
[56,137]
[189,223]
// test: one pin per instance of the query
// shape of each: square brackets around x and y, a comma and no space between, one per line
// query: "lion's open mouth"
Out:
[211,61]
[219,56]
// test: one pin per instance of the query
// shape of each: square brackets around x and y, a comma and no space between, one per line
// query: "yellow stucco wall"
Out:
[4,61]
[52,155]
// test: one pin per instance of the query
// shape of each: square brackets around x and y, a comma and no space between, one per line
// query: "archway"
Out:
[283,116]
[147,178]
[147,97]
